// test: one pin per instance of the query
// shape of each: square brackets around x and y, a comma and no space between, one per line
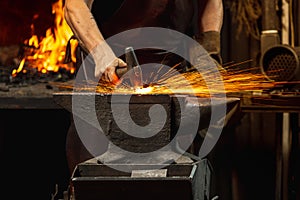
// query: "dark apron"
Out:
[121,15]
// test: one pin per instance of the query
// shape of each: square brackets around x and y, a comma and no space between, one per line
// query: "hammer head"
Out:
[133,72]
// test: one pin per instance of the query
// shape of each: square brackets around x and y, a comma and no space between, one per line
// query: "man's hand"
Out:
[109,74]
[106,63]
[210,41]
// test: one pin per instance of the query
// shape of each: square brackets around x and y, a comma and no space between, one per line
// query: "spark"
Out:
[205,84]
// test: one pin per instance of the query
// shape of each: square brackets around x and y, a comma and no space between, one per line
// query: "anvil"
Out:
[143,123]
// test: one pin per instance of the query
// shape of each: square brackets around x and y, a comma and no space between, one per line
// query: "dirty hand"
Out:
[106,63]
[108,73]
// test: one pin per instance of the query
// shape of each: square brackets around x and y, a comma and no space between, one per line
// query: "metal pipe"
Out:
[269,17]
[269,34]
[296,7]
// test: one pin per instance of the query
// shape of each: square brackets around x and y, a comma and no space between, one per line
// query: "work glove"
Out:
[210,41]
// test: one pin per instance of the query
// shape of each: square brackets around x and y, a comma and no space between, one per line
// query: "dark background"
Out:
[17,16]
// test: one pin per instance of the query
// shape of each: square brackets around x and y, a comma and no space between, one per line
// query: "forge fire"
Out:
[43,58]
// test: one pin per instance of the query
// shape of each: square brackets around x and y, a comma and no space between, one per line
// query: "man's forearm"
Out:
[82,23]
[210,17]
[79,17]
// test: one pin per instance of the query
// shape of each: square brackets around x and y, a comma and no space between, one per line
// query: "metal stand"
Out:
[286,138]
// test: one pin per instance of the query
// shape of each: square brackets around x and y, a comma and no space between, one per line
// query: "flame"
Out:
[49,53]
[20,68]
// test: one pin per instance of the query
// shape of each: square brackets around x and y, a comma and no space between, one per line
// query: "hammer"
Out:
[133,72]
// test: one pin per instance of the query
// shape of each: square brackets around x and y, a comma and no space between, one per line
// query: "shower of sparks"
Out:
[204,84]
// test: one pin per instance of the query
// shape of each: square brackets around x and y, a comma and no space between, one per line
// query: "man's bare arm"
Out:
[80,19]
[210,21]
[210,15]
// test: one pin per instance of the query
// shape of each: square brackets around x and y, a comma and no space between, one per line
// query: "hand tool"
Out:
[133,72]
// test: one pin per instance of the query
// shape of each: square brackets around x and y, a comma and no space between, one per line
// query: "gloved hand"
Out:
[210,41]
